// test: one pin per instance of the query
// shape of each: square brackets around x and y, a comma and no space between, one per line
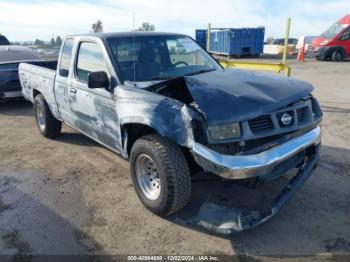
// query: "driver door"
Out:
[94,110]
[346,42]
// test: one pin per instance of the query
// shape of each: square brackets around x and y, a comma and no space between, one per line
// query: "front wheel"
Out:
[48,125]
[337,56]
[160,174]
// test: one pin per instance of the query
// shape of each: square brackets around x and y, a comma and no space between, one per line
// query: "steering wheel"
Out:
[180,62]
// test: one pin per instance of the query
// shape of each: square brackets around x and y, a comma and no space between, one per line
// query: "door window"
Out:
[346,35]
[66,57]
[90,59]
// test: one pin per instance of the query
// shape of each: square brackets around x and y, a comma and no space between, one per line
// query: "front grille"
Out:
[302,115]
[260,123]
[299,115]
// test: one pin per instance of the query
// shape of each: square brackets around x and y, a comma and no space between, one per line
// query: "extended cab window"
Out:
[66,57]
[90,59]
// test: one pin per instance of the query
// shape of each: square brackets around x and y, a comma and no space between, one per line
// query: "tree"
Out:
[58,41]
[97,27]
[146,27]
[52,41]
[39,42]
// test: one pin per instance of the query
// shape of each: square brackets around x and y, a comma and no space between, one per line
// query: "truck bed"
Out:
[39,77]
[9,79]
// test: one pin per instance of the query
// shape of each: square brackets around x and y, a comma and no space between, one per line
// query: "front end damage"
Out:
[256,131]
[227,220]
[301,152]
[258,165]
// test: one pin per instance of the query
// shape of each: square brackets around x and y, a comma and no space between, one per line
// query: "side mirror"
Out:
[98,80]
[64,72]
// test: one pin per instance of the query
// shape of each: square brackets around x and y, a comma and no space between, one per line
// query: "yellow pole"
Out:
[288,71]
[285,50]
[208,37]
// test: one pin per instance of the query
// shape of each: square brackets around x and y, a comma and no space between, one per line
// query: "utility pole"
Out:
[286,37]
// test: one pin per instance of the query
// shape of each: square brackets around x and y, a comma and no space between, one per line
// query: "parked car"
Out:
[277,46]
[168,113]
[334,43]
[10,57]
[3,40]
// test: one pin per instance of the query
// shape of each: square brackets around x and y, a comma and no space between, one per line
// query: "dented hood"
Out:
[234,95]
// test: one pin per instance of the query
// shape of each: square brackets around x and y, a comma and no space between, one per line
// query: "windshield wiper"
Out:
[189,74]
[200,72]
[161,77]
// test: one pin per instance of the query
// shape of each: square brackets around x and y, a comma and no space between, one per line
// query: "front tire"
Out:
[337,56]
[48,125]
[160,175]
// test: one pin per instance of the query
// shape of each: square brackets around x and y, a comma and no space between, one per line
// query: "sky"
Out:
[22,20]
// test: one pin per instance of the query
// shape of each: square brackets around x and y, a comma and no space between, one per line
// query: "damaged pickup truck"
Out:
[162,102]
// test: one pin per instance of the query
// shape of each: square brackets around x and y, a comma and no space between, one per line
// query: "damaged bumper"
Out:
[224,220]
[249,166]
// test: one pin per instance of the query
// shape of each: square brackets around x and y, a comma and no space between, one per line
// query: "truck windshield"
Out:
[147,58]
[334,30]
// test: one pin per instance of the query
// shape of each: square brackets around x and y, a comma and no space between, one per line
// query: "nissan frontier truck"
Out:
[162,102]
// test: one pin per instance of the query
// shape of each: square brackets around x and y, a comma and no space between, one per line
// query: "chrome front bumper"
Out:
[249,166]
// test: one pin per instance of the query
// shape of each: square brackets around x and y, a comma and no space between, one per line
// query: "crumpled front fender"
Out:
[169,117]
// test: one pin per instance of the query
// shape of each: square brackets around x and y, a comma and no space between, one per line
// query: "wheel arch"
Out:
[36,92]
[134,127]
[332,49]
[52,104]
[131,131]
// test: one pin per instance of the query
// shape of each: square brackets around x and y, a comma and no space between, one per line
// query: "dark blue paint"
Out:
[227,96]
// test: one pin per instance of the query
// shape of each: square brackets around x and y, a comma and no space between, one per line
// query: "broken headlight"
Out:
[222,132]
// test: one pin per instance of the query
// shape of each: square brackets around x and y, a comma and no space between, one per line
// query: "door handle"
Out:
[73,90]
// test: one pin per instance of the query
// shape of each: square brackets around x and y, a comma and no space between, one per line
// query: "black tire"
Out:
[337,55]
[48,125]
[173,172]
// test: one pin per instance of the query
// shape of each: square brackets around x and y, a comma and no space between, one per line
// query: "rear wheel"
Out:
[48,125]
[337,56]
[160,174]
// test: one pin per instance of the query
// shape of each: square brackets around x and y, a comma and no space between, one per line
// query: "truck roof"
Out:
[126,34]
